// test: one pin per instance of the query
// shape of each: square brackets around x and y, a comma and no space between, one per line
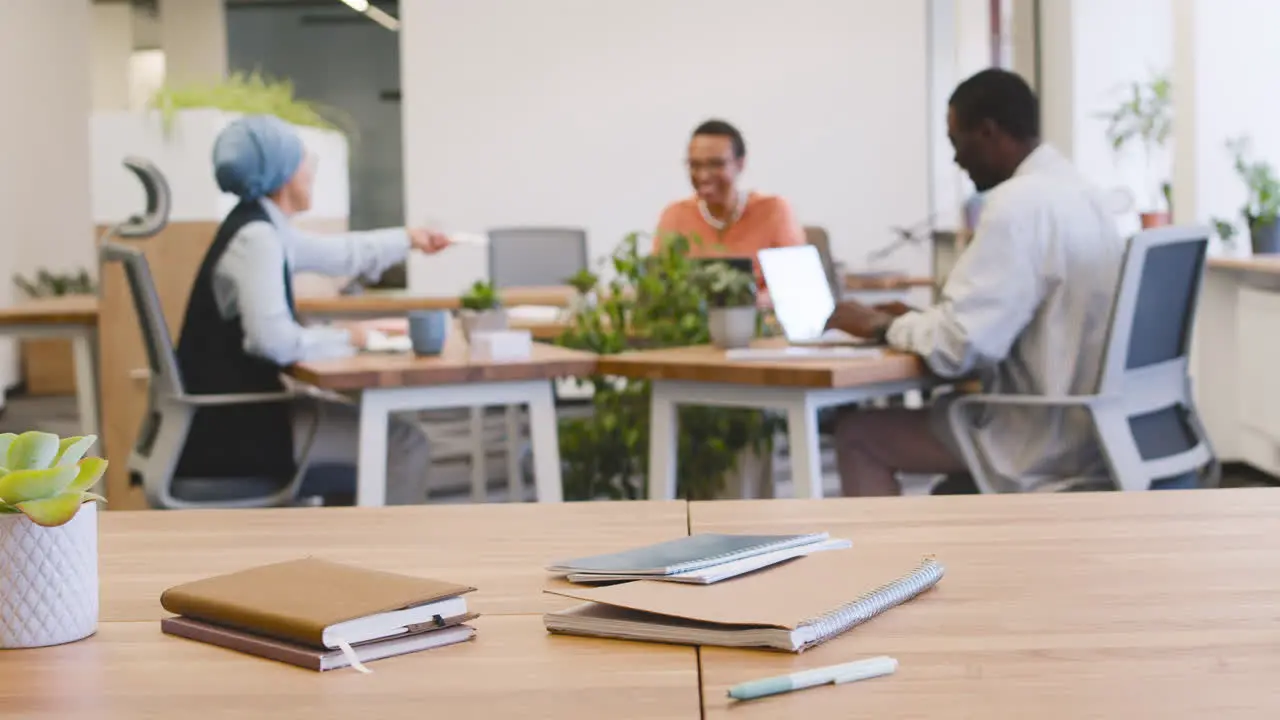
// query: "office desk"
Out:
[513,669]
[375,303]
[703,376]
[68,316]
[1075,605]
[388,383]
[501,549]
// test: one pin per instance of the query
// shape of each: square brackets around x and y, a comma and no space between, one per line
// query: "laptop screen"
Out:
[802,299]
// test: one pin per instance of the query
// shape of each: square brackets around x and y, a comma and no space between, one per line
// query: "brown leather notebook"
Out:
[791,607]
[318,603]
[308,657]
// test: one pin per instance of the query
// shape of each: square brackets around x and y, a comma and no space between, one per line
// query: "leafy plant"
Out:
[481,296]
[584,281]
[1226,231]
[1259,176]
[47,478]
[47,284]
[1146,115]
[251,94]
[727,286]
[653,301]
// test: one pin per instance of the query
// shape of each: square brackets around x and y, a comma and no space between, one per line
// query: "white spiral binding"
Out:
[829,625]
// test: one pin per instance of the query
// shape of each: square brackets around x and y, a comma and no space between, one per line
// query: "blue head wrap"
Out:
[256,155]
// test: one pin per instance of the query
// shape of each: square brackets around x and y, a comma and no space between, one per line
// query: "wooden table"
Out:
[374,303]
[1077,605]
[513,668]
[703,376]
[857,282]
[388,383]
[501,549]
[68,316]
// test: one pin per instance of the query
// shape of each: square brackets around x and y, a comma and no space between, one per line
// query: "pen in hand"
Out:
[834,674]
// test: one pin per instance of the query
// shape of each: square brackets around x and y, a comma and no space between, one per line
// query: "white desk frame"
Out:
[377,405]
[801,406]
[84,348]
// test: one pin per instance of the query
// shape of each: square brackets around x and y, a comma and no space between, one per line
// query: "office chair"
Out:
[170,408]
[535,257]
[1143,408]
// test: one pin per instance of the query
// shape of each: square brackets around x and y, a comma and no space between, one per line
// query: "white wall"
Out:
[960,45]
[1091,51]
[111,49]
[1224,55]
[578,112]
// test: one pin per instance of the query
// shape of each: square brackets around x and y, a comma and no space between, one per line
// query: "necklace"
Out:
[715,222]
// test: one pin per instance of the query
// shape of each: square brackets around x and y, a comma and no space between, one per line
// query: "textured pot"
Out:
[48,580]
[482,321]
[733,327]
[1155,220]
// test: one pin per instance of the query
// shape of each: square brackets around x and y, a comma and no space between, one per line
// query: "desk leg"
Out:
[515,488]
[664,444]
[479,471]
[545,435]
[371,462]
[806,458]
[86,381]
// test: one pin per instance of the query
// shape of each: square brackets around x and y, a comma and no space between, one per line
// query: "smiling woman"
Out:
[730,221]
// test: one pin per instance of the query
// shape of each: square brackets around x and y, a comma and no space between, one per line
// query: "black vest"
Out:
[234,441]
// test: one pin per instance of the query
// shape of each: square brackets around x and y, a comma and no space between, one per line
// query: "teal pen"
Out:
[834,674]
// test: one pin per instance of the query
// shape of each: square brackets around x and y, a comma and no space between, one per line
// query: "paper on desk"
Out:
[378,341]
[464,238]
[535,313]
[801,353]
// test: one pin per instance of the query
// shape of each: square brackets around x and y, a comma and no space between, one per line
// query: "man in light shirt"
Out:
[1025,309]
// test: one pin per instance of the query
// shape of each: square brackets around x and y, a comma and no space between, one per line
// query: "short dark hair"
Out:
[720,128]
[1002,97]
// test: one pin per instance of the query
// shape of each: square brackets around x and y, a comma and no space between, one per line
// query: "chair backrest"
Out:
[161,361]
[1146,361]
[817,237]
[535,256]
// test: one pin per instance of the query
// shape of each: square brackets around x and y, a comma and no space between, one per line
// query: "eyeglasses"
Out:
[713,164]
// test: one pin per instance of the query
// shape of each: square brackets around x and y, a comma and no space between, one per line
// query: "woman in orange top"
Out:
[730,222]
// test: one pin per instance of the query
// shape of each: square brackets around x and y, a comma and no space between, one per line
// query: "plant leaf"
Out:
[32,450]
[71,449]
[54,511]
[23,485]
[90,471]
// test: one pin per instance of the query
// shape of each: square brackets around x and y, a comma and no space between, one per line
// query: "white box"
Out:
[501,345]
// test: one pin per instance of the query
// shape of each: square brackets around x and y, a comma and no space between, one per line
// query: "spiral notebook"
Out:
[683,555]
[790,607]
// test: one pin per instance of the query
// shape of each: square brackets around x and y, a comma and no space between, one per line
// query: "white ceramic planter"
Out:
[482,321]
[733,327]
[48,580]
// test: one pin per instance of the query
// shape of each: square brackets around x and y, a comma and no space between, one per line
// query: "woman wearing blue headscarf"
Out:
[241,327]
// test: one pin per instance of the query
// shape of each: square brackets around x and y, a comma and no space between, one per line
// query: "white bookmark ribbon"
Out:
[350,654]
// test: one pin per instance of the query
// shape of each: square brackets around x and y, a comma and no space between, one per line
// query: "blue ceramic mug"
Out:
[428,330]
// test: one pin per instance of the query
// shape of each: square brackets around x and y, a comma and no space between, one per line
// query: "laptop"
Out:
[802,299]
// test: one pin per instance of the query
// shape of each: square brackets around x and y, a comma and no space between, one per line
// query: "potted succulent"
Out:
[48,539]
[481,310]
[731,304]
[1263,204]
[1146,115]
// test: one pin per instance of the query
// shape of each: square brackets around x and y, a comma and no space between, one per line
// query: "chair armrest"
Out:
[235,399]
[1029,400]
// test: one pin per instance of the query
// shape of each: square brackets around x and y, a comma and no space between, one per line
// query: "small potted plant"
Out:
[481,310]
[48,539]
[1146,115]
[584,283]
[1263,204]
[731,304]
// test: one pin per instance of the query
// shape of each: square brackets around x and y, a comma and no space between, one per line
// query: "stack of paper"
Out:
[698,559]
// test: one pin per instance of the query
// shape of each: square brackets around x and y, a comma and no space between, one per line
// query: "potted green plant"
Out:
[48,539]
[652,300]
[481,310]
[1262,205]
[252,93]
[1146,116]
[584,283]
[731,304]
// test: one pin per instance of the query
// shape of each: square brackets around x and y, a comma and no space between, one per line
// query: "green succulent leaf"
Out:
[54,511]
[32,450]
[71,449]
[8,509]
[21,486]
[6,441]
[90,471]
